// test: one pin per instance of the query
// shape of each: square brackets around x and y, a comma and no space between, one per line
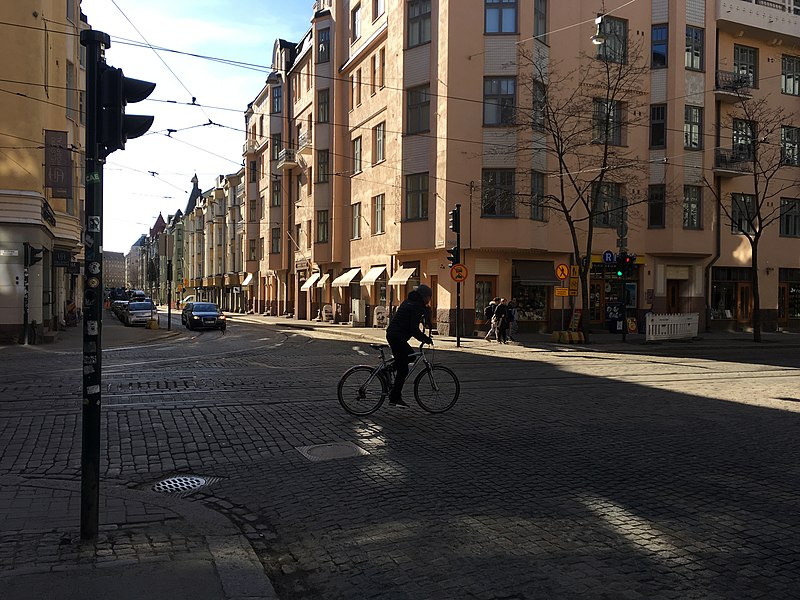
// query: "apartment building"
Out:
[113,269]
[386,115]
[42,140]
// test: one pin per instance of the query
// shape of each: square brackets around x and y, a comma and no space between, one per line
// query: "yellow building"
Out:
[41,161]
[386,115]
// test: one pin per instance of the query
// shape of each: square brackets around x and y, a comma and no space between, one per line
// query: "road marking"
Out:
[359,350]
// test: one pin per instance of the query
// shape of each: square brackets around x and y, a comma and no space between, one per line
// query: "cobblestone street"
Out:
[562,472]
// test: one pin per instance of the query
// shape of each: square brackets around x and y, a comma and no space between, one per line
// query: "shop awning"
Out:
[372,275]
[401,275]
[347,278]
[323,280]
[309,283]
[247,279]
[534,272]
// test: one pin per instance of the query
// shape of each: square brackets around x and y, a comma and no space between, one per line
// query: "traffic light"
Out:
[630,261]
[454,255]
[32,255]
[116,91]
[621,262]
[455,219]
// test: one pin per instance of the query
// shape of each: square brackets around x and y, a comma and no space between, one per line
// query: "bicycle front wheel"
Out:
[361,391]
[436,389]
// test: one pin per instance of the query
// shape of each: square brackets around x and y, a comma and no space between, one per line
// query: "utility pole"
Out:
[454,257]
[107,130]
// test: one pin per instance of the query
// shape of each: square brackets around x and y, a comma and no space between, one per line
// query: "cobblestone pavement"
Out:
[560,473]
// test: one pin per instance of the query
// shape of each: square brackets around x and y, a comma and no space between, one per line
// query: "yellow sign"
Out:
[573,271]
[573,286]
[562,291]
[459,272]
[562,271]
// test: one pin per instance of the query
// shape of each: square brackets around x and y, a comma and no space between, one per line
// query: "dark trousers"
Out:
[401,352]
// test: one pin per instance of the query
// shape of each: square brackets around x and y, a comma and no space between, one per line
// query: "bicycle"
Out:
[363,388]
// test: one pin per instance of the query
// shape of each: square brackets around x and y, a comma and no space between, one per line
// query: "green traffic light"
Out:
[619,272]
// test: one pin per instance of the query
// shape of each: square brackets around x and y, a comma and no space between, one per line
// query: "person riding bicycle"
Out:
[413,312]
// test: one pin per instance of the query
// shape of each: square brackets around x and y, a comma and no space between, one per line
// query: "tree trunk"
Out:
[756,295]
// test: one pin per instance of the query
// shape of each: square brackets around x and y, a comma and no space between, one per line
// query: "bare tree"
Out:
[759,150]
[579,118]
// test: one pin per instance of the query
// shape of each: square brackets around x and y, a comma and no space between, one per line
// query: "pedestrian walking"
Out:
[488,313]
[513,326]
[500,321]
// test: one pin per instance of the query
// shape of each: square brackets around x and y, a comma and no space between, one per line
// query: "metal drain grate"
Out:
[331,451]
[181,484]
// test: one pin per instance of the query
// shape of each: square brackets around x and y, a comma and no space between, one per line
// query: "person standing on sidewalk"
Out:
[500,321]
[405,324]
[488,313]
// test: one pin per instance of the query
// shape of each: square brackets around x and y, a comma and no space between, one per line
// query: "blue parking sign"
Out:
[609,257]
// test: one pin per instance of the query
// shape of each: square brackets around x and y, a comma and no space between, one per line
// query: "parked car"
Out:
[139,313]
[118,307]
[203,315]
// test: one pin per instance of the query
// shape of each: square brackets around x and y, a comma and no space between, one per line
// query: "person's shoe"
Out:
[398,402]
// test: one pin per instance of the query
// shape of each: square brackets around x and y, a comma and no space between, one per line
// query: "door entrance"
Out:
[744,303]
[434,298]
[673,296]
[485,291]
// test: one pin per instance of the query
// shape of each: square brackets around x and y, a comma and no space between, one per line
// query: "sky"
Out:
[153,174]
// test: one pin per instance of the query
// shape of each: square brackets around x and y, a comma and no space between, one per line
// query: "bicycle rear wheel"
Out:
[436,389]
[360,391]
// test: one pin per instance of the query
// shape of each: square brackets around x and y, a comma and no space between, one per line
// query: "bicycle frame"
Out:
[382,369]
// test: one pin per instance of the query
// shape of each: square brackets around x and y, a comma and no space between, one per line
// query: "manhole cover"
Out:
[180,484]
[331,451]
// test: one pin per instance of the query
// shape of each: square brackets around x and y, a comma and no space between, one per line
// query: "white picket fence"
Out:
[671,326]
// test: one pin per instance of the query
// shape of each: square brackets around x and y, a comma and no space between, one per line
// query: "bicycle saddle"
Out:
[379,346]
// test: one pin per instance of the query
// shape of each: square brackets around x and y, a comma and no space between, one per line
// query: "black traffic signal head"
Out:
[454,255]
[622,258]
[116,91]
[32,255]
[455,220]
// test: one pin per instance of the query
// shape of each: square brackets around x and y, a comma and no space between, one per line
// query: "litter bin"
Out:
[615,317]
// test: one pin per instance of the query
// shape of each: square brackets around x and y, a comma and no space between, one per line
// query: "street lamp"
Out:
[599,38]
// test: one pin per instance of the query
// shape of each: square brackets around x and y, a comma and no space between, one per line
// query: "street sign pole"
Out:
[458,283]
[95,42]
[169,295]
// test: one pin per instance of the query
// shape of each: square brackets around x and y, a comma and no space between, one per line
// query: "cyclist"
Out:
[413,312]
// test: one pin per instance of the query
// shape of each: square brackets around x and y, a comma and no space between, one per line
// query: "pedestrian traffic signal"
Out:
[32,255]
[454,255]
[455,219]
[116,91]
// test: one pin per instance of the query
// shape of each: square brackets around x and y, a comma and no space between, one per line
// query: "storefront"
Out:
[789,299]
[608,291]
[532,284]
[731,297]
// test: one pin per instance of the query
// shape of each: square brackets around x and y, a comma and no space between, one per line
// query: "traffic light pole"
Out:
[95,42]
[25,297]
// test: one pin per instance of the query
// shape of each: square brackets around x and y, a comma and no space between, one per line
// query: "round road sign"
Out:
[562,271]
[459,272]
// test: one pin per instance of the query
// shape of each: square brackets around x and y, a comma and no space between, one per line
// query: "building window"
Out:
[276,193]
[299,181]
[692,127]
[378,8]
[501,16]
[615,47]
[607,122]
[252,173]
[71,92]
[659,46]
[419,109]
[323,105]
[499,100]
[497,193]
[262,207]
[357,155]
[692,206]
[373,82]
[537,196]
[382,67]
[82,105]
[261,248]
[379,143]
[790,145]
[275,242]
[743,135]
[276,146]
[355,219]
[745,62]
[308,233]
[539,106]
[608,203]
[358,87]
[417,196]
[743,213]
[322,226]
[355,23]
[324,45]
[658,125]
[790,217]
[277,99]
[253,211]
[540,19]
[378,214]
[251,249]
[419,22]
[695,44]
[656,207]
[790,75]
[323,160]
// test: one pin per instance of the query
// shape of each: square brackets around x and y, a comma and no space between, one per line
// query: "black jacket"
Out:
[406,321]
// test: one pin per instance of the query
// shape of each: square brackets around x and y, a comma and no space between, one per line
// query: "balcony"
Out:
[732,163]
[287,159]
[768,19]
[732,87]
[304,144]
[249,146]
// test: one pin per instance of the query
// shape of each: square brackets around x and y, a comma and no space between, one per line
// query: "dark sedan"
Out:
[203,315]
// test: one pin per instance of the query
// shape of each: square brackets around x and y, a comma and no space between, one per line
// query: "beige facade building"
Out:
[113,269]
[41,152]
